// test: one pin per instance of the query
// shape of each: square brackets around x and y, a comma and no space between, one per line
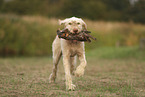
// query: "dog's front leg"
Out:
[66,63]
[80,69]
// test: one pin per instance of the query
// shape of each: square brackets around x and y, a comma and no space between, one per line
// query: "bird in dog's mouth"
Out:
[76,36]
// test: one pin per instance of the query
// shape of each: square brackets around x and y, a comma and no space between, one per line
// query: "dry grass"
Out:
[103,77]
[108,27]
[40,20]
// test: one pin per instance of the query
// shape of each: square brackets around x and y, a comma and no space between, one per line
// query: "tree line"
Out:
[108,10]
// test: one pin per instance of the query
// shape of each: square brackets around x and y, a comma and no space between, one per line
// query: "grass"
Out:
[104,76]
[118,53]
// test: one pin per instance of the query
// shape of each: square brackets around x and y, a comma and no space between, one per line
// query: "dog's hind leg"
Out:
[57,53]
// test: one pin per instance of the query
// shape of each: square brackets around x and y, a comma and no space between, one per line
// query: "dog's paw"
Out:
[70,87]
[51,78]
[79,71]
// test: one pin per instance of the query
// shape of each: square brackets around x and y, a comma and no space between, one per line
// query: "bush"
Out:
[33,35]
[25,37]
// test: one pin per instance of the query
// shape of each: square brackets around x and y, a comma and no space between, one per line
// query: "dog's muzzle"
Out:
[75,31]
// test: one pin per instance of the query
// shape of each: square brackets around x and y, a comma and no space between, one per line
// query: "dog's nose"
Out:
[75,30]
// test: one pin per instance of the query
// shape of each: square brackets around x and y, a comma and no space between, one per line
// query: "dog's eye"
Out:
[70,23]
[78,23]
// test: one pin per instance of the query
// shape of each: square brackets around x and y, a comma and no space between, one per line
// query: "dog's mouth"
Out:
[74,31]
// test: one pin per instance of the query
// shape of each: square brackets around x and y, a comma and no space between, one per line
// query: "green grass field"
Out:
[111,72]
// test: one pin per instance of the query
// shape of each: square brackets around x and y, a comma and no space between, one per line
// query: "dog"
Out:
[69,49]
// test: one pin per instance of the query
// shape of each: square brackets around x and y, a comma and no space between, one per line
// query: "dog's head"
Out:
[74,25]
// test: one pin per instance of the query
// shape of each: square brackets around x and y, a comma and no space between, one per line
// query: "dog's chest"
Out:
[74,49]
[73,53]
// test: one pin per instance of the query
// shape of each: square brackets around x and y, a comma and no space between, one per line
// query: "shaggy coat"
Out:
[70,50]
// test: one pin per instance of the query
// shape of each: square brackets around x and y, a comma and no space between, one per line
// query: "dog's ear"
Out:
[61,22]
[84,26]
